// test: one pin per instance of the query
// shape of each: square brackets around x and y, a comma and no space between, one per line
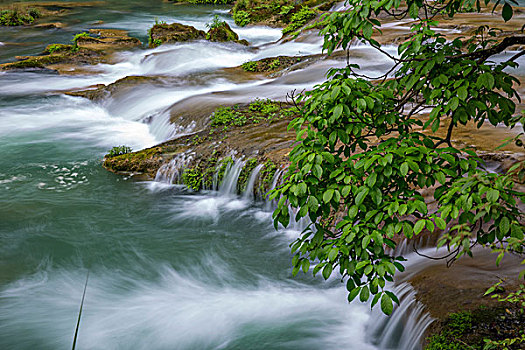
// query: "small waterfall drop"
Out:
[248,192]
[407,324]
[171,172]
[231,177]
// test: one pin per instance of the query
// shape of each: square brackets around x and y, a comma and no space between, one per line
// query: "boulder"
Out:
[172,33]
[222,33]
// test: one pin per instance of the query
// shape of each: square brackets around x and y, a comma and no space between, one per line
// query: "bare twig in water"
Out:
[80,313]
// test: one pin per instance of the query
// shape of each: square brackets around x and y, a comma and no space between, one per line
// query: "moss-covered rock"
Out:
[222,32]
[144,162]
[472,330]
[94,47]
[271,64]
[163,33]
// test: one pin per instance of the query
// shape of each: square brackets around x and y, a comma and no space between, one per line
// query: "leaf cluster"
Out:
[364,154]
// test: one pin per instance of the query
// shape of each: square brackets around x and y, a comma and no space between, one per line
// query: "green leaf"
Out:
[305,264]
[361,196]
[506,13]
[327,196]
[504,225]
[386,304]
[327,271]
[418,227]
[404,169]
[333,254]
[440,223]
[492,195]
[371,180]
[365,294]
[353,294]
[338,110]
[454,103]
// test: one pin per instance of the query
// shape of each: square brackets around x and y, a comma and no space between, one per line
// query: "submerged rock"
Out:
[164,33]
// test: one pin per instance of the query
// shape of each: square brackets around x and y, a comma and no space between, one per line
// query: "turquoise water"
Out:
[168,269]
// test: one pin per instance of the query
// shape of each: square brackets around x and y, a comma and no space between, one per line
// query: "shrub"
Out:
[119,150]
[241,18]
[215,23]
[227,116]
[77,37]
[250,66]
[299,19]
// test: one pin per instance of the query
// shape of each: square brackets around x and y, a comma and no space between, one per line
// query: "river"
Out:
[169,269]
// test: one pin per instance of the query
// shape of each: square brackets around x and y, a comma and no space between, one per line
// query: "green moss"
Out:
[266,177]
[244,176]
[16,17]
[299,19]
[77,37]
[53,48]
[241,18]
[205,2]
[275,64]
[36,61]
[448,338]
[192,178]
[260,110]
[227,116]
[270,64]
[250,66]
[472,330]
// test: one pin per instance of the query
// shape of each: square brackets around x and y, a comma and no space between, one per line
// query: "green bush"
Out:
[299,19]
[119,150]
[215,23]
[241,18]
[227,116]
[250,66]
[15,18]
[78,36]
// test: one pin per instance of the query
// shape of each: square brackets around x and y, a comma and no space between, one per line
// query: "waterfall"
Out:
[171,172]
[248,192]
[268,203]
[405,327]
[231,176]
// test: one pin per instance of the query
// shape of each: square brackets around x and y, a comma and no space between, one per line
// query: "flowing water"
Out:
[169,269]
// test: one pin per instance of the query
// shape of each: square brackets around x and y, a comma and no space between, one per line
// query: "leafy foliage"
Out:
[364,154]
[299,19]
[16,17]
[215,23]
[119,150]
[77,37]
[241,18]
[256,112]
[250,66]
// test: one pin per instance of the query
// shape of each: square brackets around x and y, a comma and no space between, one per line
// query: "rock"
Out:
[94,47]
[172,33]
[51,25]
[222,33]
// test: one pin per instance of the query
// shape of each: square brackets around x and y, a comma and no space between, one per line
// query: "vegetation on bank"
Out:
[482,329]
[256,112]
[18,17]
[285,13]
